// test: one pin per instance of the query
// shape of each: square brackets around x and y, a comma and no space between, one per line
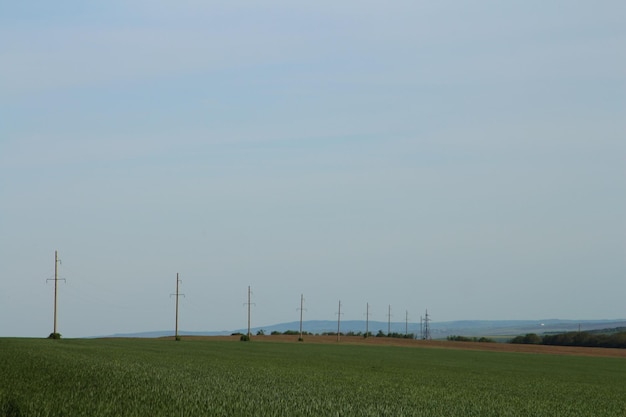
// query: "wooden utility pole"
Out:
[389,321]
[56,280]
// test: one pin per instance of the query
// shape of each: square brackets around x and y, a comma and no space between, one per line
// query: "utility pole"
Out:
[339,321]
[55,334]
[248,311]
[389,321]
[177,294]
[406,323]
[177,282]
[367,320]
[301,309]
[249,304]
[426,335]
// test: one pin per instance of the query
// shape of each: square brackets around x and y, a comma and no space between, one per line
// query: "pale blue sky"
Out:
[468,158]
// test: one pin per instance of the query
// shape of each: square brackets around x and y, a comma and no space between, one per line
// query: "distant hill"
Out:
[438,330]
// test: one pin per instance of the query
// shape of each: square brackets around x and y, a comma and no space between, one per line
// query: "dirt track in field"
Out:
[438,344]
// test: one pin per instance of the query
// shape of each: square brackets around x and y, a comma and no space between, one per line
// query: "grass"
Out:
[220,378]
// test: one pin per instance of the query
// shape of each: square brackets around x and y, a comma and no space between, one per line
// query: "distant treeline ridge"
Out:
[582,339]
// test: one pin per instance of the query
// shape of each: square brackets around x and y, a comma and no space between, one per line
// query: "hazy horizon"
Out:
[465,158]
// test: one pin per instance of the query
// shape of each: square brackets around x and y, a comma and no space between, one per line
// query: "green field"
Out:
[40,377]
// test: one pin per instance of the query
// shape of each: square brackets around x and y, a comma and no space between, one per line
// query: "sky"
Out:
[468,158]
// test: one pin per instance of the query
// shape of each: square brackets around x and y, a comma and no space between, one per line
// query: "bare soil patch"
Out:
[438,344]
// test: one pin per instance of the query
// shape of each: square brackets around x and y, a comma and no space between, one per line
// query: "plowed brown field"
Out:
[439,344]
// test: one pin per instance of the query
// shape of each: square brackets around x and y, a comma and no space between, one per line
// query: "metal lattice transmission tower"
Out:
[426,327]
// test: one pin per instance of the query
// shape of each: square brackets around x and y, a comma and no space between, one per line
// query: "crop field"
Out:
[204,377]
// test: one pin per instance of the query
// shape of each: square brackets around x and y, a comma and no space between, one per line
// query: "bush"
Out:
[244,338]
[54,336]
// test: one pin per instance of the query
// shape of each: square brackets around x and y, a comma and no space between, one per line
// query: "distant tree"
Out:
[455,338]
[260,332]
[587,339]
[528,339]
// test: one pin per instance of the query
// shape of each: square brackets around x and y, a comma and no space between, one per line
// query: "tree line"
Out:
[350,333]
[581,339]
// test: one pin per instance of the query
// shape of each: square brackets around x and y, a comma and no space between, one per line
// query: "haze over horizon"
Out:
[465,158]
